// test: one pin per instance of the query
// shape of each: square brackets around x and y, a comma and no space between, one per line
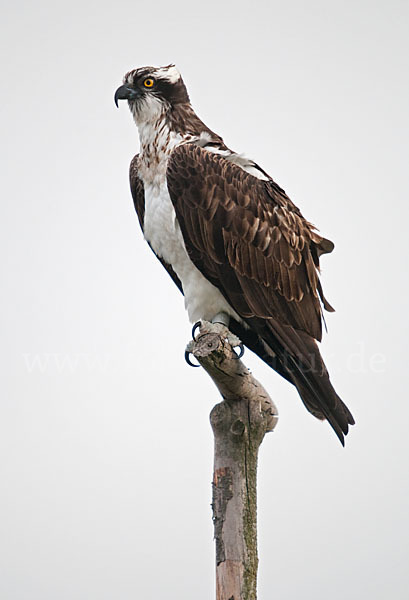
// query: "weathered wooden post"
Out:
[239,424]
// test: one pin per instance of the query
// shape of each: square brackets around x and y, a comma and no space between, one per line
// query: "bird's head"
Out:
[152,90]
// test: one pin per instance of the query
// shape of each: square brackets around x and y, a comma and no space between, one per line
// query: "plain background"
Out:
[105,446]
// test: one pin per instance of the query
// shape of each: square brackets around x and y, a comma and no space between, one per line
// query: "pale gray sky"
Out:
[105,447]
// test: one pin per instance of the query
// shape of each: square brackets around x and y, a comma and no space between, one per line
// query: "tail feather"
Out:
[295,356]
[320,399]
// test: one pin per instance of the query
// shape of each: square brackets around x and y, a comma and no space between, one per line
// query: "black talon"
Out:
[195,326]
[241,351]
[187,359]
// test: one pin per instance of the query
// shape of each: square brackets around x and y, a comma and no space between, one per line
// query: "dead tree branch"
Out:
[239,424]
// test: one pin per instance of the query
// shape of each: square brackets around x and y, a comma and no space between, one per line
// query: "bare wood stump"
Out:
[239,424]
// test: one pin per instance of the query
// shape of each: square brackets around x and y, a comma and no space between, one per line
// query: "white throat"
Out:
[157,142]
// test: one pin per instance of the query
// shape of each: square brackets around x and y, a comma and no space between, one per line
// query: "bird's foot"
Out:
[218,328]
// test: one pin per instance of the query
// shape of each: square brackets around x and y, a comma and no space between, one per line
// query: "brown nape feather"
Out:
[184,120]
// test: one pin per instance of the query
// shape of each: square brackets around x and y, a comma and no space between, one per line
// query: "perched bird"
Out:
[233,242]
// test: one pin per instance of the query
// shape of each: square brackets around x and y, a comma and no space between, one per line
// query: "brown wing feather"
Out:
[232,220]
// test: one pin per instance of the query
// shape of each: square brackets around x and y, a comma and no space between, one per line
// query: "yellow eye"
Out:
[148,83]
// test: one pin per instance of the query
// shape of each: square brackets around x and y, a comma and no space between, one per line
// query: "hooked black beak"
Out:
[125,92]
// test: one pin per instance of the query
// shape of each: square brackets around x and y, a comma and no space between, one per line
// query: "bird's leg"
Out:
[222,318]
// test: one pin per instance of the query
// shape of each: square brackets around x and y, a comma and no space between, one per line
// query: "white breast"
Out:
[202,299]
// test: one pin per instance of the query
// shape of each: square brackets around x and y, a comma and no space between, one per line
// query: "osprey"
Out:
[233,242]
